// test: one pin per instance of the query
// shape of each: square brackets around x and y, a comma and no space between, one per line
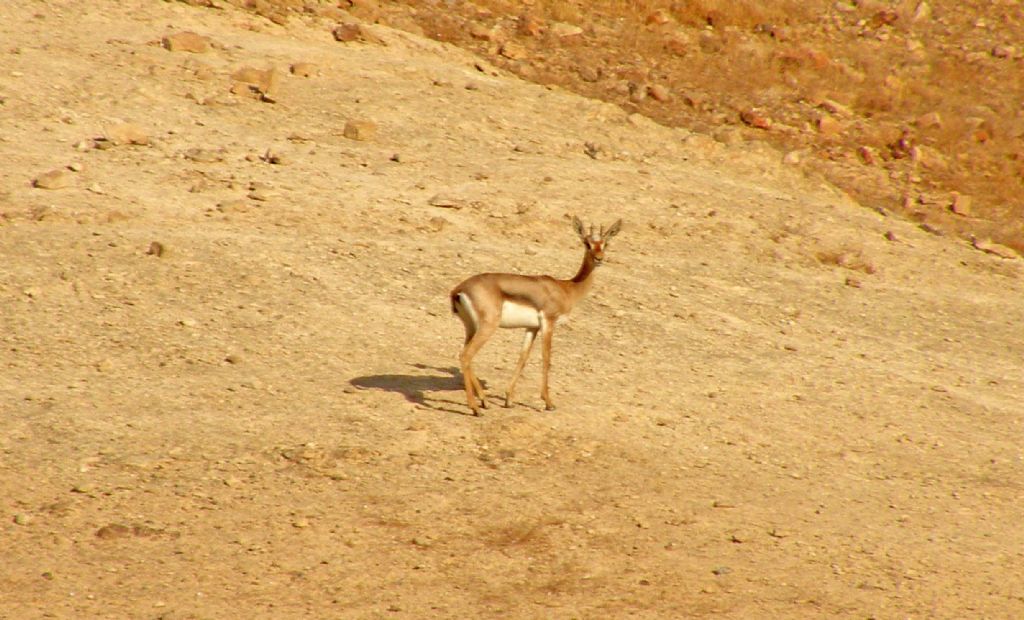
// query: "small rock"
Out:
[126,133]
[483,33]
[659,17]
[446,202]
[204,156]
[274,157]
[243,89]
[922,12]
[266,82]
[721,570]
[54,179]
[931,119]
[204,72]
[232,206]
[677,45]
[186,42]
[756,118]
[22,519]
[834,107]
[929,157]
[300,523]
[659,93]
[156,249]
[853,282]
[589,74]
[564,31]
[113,531]
[867,155]
[361,130]
[304,69]
[593,151]
[529,25]
[730,136]
[76,167]
[828,126]
[637,92]
[249,75]
[513,50]
[995,249]
[709,43]
[960,204]
[1004,51]
[348,32]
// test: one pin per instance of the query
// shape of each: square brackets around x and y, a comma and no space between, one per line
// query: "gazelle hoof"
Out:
[549,407]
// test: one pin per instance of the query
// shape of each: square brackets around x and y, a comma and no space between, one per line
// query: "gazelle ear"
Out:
[578,226]
[614,230]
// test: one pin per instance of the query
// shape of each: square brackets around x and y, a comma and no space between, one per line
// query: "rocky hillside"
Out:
[230,384]
[911,106]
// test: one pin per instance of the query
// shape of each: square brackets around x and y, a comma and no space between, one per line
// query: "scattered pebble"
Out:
[186,42]
[155,249]
[113,531]
[54,179]
[361,130]
[446,201]
[304,69]
[126,133]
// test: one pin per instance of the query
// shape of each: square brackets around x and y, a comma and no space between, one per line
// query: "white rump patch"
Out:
[467,312]
[519,315]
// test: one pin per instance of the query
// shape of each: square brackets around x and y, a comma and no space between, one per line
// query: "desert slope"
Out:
[775,403]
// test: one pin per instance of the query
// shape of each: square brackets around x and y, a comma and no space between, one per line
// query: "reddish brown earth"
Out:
[912,106]
[229,384]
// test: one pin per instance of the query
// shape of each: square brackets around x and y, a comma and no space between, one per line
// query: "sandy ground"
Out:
[774,404]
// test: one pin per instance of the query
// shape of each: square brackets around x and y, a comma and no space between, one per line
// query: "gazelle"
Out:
[488,301]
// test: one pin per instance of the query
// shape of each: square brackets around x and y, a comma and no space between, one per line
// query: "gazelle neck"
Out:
[580,283]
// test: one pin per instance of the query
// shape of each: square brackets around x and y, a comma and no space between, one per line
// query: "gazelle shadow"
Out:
[414,387]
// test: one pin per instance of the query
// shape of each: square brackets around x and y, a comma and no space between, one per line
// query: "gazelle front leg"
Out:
[531,335]
[547,328]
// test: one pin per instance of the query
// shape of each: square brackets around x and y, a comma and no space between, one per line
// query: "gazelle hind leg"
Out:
[477,388]
[470,382]
[524,355]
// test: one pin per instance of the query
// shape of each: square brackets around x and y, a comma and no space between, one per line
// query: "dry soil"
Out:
[229,380]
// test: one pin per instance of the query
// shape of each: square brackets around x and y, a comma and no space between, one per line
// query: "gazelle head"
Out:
[595,242]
